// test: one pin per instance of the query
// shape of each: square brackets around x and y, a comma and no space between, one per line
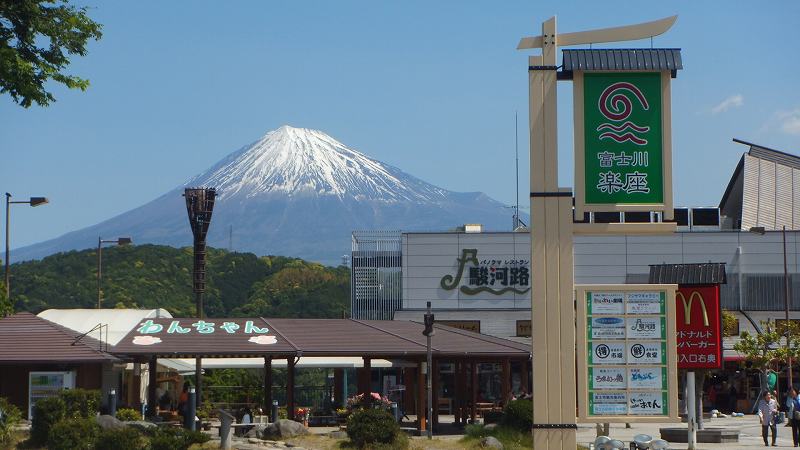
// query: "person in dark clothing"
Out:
[733,396]
[793,411]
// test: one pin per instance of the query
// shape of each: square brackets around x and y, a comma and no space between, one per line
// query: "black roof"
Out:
[622,59]
[688,274]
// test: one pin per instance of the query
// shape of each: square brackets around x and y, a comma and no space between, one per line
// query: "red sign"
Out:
[699,327]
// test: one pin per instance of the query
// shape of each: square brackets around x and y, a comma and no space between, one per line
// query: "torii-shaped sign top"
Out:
[615,34]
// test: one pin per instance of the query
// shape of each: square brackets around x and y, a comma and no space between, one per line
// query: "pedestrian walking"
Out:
[767,414]
[793,411]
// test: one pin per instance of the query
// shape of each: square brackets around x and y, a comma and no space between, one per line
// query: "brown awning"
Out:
[219,337]
[26,338]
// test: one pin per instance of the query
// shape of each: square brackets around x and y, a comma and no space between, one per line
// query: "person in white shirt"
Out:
[767,413]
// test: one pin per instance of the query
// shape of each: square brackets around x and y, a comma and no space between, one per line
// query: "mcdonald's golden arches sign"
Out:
[699,327]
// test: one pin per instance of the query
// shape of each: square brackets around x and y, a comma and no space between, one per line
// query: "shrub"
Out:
[372,426]
[518,414]
[126,438]
[73,434]
[176,438]
[46,413]
[81,403]
[10,416]
[128,414]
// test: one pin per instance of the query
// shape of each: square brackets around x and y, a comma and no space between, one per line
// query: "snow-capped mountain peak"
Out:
[302,161]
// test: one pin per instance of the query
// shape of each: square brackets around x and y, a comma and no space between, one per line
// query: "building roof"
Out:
[26,338]
[116,323]
[308,337]
[688,274]
[622,59]
[732,202]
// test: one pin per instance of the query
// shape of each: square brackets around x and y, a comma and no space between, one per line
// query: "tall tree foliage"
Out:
[154,276]
[37,39]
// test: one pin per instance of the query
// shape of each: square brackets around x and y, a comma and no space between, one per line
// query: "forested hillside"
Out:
[154,276]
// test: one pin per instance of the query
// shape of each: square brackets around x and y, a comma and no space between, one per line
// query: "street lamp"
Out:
[33,201]
[100,242]
[761,231]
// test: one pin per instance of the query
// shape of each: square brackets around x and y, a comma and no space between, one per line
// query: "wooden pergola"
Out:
[291,339]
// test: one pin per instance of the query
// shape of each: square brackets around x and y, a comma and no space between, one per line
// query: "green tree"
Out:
[771,348]
[37,39]
[6,308]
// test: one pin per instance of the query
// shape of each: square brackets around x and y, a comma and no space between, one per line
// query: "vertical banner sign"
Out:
[626,359]
[622,160]
[699,327]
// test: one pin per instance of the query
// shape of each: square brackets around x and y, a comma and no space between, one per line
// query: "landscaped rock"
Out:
[140,424]
[490,426]
[491,442]
[107,422]
[256,432]
[285,429]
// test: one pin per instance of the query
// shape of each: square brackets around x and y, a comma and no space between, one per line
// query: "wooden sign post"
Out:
[552,296]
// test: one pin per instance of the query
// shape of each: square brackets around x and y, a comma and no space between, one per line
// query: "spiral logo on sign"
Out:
[615,104]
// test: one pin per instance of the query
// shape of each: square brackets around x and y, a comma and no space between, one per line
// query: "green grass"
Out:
[511,438]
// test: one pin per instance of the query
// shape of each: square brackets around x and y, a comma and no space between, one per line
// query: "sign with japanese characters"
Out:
[621,154]
[627,365]
[699,327]
[607,328]
[607,378]
[495,275]
[150,332]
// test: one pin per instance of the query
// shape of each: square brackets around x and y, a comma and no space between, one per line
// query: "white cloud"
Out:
[734,101]
[789,121]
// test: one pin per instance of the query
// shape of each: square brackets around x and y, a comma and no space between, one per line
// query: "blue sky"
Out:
[430,87]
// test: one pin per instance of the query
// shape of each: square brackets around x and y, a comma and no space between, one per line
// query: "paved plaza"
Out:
[748,426]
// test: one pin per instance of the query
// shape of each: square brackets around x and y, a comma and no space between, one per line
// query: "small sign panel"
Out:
[627,357]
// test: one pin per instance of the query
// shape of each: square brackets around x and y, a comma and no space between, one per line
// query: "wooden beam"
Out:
[268,387]
[338,389]
[290,387]
[474,380]
[506,382]
[152,383]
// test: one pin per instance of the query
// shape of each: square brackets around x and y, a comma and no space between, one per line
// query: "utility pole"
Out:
[428,332]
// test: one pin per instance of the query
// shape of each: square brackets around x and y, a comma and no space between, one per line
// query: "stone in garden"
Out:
[107,422]
[490,426]
[491,442]
[256,431]
[285,428]
[140,424]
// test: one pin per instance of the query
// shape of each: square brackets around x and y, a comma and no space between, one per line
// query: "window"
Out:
[523,328]
[466,325]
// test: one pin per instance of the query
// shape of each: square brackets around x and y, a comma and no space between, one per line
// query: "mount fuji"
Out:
[294,192]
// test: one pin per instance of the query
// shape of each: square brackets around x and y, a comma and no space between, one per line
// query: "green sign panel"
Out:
[623,159]
[626,349]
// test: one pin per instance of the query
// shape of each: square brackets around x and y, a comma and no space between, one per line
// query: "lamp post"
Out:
[33,201]
[761,231]
[100,242]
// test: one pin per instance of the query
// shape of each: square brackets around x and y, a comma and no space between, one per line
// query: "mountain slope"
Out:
[295,192]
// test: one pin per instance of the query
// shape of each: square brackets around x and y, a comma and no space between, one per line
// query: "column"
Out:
[474,381]
[290,387]
[152,383]
[338,376]
[505,387]
[420,398]
[268,387]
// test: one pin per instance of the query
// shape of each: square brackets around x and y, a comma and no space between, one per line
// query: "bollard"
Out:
[274,413]
[225,434]
[191,410]
[112,402]
[395,412]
